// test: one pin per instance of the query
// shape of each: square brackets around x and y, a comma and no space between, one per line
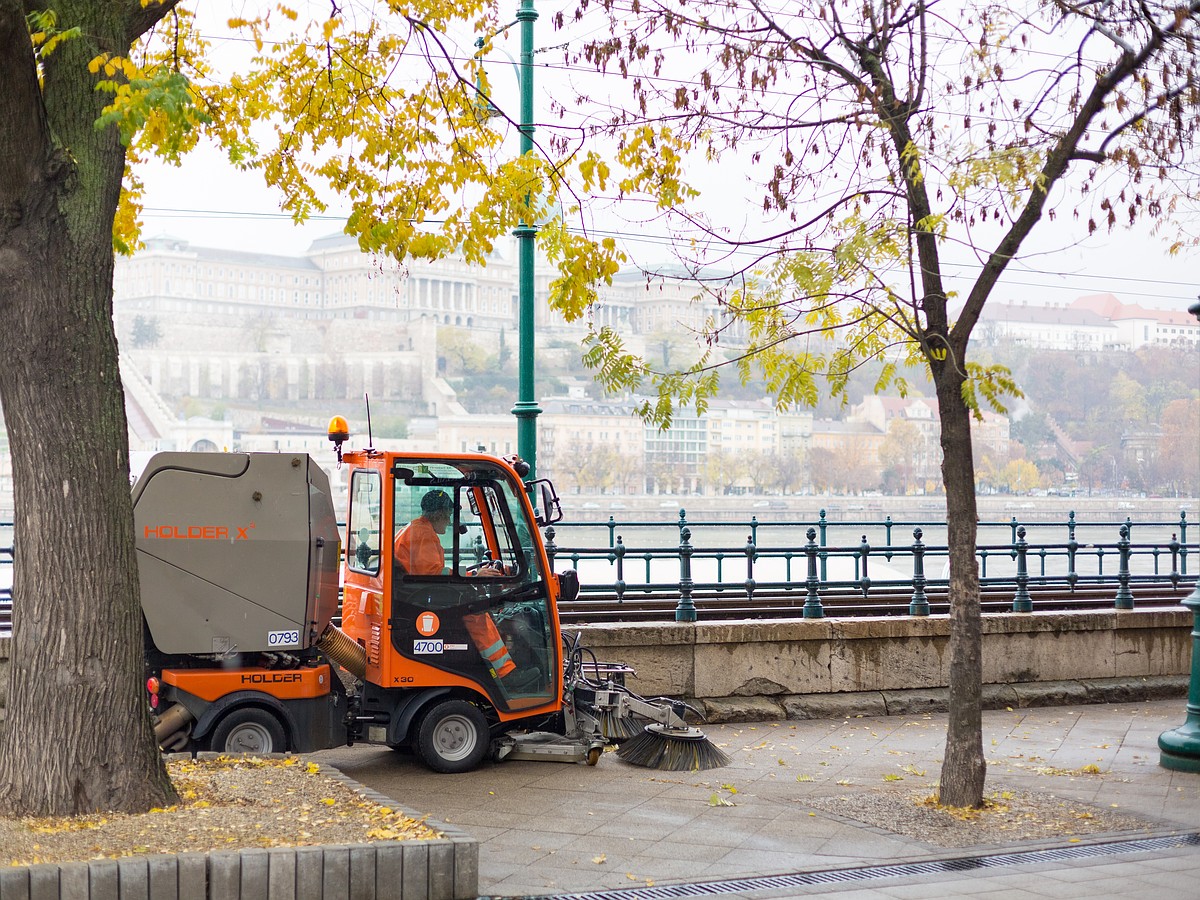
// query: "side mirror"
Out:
[568,585]
[549,506]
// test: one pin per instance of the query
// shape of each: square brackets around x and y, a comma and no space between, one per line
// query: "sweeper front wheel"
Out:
[452,737]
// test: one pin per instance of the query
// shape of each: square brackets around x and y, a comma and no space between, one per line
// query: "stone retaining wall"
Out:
[783,664]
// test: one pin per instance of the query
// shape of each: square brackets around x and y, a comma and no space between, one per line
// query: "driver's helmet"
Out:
[436,501]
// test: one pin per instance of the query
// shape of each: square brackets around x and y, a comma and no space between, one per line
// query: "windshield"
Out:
[451,519]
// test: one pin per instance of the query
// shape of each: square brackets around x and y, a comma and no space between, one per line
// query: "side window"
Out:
[363,536]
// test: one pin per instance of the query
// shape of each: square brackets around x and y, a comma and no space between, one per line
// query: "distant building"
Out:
[334,279]
[1097,322]
[1048,328]
[1139,326]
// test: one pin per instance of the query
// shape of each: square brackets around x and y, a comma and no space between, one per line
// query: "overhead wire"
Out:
[670,241]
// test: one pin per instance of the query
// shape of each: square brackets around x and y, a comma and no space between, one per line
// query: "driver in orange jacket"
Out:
[418,551]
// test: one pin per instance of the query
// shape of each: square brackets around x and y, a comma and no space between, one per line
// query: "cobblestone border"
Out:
[445,868]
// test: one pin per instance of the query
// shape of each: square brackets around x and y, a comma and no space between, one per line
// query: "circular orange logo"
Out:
[427,623]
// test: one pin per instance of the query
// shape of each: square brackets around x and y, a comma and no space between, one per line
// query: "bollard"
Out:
[920,603]
[1022,602]
[1124,594]
[685,610]
[812,604]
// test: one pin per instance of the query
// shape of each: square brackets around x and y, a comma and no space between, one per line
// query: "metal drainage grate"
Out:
[899,870]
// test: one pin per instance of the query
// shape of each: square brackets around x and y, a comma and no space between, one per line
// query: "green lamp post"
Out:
[1180,747]
[526,409]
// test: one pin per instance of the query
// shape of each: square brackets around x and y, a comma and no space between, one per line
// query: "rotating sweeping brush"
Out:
[618,728]
[673,750]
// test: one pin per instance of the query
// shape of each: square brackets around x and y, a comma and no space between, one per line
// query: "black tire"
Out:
[248,730]
[452,737]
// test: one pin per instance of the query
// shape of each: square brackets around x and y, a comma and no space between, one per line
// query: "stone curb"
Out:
[446,868]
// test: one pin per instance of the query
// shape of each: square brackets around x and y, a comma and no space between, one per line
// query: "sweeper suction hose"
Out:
[343,650]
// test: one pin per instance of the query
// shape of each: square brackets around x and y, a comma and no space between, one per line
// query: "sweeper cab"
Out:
[436,631]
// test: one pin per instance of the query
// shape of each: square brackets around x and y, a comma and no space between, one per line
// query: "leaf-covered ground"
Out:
[225,803]
[1007,817]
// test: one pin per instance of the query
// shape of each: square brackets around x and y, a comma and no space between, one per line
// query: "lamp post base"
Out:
[1181,748]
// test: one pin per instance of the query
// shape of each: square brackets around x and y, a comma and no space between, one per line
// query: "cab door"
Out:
[496,631]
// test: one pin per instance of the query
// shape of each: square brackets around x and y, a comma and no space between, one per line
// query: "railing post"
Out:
[824,528]
[920,603]
[753,528]
[1072,550]
[1183,524]
[682,523]
[864,582]
[750,552]
[619,552]
[1013,525]
[1124,595]
[1174,548]
[612,530]
[1022,602]
[887,532]
[551,547]
[812,604]
[685,610]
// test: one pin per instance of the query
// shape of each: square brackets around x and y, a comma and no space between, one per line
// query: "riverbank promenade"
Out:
[817,808]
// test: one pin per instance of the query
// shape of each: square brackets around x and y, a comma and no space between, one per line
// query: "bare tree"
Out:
[892,142]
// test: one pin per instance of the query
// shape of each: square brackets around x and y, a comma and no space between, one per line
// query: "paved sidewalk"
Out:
[548,829]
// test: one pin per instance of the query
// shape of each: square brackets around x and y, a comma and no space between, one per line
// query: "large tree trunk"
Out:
[78,737]
[963,766]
